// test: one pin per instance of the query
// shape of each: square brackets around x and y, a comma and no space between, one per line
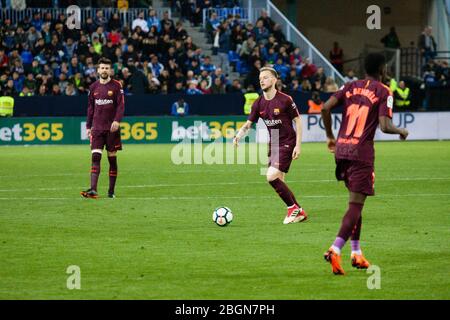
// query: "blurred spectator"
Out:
[192,88]
[166,20]
[330,85]
[391,40]
[281,68]
[114,22]
[308,69]
[253,76]
[350,76]
[247,48]
[214,21]
[280,86]
[9,89]
[319,78]
[267,21]
[427,44]
[56,91]
[205,88]
[140,22]
[337,57]
[70,90]
[100,20]
[224,46]
[261,32]
[42,90]
[217,86]
[436,73]
[207,65]
[122,5]
[155,66]
[138,81]
[235,87]
[180,108]
[402,96]
[305,86]
[26,92]
[179,87]
[153,21]
[315,104]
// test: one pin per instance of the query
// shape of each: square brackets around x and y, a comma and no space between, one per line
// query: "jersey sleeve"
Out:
[91,106]
[254,113]
[292,109]
[386,104]
[340,94]
[120,103]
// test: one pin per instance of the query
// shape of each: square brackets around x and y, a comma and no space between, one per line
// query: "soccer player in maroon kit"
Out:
[105,111]
[278,110]
[366,104]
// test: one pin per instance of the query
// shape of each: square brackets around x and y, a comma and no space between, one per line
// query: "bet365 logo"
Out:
[32,132]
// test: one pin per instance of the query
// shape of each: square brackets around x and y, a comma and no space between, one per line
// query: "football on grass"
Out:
[222,216]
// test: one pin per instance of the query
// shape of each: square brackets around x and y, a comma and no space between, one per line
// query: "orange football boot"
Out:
[359,261]
[335,260]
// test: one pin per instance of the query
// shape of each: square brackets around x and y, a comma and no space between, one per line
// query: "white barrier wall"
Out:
[421,126]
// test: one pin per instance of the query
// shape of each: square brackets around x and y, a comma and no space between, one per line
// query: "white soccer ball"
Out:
[222,216]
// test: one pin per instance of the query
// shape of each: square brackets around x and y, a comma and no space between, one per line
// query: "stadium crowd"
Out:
[41,56]
[262,43]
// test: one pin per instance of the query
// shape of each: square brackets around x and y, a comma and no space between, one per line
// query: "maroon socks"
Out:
[112,173]
[95,169]
[351,226]
[283,191]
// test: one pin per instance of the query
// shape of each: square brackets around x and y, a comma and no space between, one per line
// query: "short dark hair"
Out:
[373,63]
[104,60]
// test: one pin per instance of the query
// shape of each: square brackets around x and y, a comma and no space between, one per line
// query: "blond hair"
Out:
[271,70]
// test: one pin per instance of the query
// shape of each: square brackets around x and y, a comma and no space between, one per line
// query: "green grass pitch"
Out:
[156,240]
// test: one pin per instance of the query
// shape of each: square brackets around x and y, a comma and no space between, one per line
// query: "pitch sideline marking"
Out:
[233,197]
[217,183]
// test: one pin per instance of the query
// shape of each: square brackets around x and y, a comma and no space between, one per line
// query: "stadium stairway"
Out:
[198,37]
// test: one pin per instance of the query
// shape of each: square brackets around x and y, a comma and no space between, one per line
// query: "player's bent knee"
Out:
[112,154]
[273,174]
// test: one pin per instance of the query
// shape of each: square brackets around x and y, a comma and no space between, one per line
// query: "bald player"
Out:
[278,111]
[105,111]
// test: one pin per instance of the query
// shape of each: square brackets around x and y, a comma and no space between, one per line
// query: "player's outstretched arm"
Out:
[298,144]
[242,132]
[387,126]
[326,117]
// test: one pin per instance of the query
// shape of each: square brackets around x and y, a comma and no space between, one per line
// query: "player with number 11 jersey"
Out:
[366,104]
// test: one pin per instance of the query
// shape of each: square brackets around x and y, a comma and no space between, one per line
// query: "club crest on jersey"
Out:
[110,93]
[276,111]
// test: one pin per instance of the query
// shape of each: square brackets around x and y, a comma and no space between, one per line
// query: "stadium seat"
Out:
[233,57]
[241,67]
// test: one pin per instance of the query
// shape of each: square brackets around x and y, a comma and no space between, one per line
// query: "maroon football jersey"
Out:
[277,114]
[105,105]
[363,101]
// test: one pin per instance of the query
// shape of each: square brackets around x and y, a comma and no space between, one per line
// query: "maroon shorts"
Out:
[359,176]
[111,140]
[281,157]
